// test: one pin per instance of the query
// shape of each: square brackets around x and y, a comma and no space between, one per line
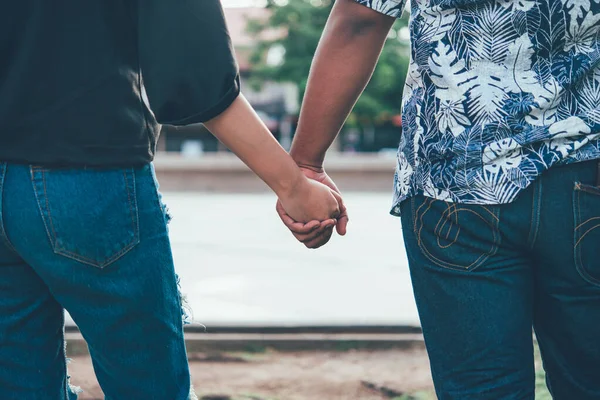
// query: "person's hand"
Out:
[310,200]
[315,234]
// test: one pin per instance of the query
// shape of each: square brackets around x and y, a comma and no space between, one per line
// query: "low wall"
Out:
[226,173]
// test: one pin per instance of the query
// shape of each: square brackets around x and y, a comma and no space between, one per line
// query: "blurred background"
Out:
[271,319]
[237,262]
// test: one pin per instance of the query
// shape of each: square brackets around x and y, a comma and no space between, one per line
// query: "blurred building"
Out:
[276,103]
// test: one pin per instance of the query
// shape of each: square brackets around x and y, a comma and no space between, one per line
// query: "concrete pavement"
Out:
[239,266]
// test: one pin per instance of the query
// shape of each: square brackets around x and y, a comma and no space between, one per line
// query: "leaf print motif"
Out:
[519,19]
[428,111]
[545,113]
[502,155]
[490,34]
[464,146]
[553,36]
[430,190]
[549,39]
[449,74]
[525,5]
[563,146]
[404,173]
[436,23]
[518,105]
[452,80]
[572,126]
[506,3]
[418,135]
[596,74]
[567,108]
[566,147]
[576,8]
[451,117]
[493,188]
[518,61]
[527,22]
[421,48]
[582,36]
[589,99]
[413,81]
[497,92]
[488,94]
[458,37]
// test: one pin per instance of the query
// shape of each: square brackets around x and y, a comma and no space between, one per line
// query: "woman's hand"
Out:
[315,234]
[309,200]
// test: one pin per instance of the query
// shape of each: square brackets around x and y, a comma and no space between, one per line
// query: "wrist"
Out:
[312,163]
[290,187]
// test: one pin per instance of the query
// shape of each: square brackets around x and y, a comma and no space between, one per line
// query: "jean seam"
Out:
[3,234]
[33,173]
[535,214]
[48,207]
[133,209]
[64,353]
[157,199]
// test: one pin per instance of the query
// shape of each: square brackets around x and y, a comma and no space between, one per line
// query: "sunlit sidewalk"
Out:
[239,265]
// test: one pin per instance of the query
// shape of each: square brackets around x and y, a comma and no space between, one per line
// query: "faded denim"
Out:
[93,242]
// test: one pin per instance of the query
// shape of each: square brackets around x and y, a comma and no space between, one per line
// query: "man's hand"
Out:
[315,234]
[344,62]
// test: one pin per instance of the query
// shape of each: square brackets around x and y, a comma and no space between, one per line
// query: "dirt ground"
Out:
[348,375]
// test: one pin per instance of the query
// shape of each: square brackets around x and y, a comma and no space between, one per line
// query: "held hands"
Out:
[317,231]
[310,202]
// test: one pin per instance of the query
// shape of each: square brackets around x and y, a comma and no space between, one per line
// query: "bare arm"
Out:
[242,131]
[343,64]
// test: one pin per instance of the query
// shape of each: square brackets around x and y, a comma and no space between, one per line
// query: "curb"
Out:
[282,342]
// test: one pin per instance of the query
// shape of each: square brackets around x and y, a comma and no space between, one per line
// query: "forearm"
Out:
[242,131]
[343,64]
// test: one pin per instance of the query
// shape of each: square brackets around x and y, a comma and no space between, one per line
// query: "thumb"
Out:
[342,219]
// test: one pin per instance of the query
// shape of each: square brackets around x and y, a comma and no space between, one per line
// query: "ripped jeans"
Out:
[483,276]
[93,242]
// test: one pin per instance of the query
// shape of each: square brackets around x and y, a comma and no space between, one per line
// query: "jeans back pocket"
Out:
[586,205]
[455,236]
[91,216]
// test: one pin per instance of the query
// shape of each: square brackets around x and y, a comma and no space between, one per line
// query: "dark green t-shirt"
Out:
[86,83]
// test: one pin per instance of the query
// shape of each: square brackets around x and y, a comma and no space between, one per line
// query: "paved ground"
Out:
[306,375]
[240,266]
[352,375]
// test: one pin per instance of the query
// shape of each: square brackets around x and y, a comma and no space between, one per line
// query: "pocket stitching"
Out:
[577,237]
[78,257]
[580,187]
[443,264]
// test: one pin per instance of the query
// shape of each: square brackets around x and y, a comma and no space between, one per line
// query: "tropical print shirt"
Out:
[498,91]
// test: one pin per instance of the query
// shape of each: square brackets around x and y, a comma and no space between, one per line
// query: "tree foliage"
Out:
[302,22]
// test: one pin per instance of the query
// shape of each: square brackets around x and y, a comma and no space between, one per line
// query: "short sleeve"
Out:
[187,61]
[392,8]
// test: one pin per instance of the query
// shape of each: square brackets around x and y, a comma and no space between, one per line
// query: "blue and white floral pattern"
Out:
[497,92]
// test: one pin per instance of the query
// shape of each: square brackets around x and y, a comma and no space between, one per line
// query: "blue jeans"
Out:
[483,276]
[93,242]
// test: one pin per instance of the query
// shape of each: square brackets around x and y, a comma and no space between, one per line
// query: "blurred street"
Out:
[239,266]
